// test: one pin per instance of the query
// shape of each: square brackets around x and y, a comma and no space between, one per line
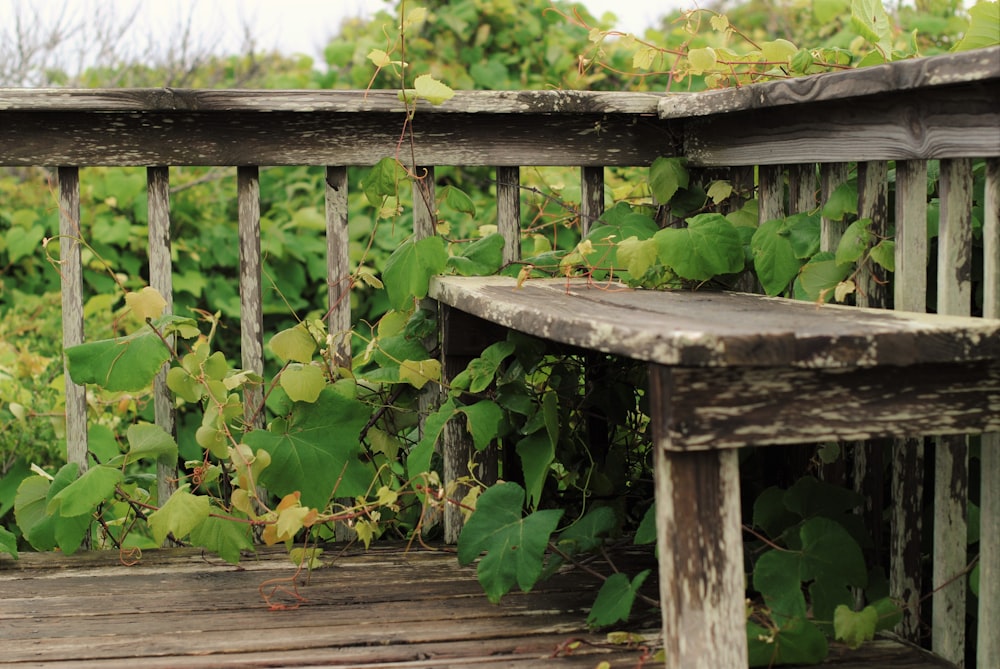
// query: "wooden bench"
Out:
[771,137]
[729,369]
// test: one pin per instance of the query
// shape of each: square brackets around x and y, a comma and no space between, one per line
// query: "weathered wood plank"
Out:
[71,276]
[988,644]
[700,548]
[919,73]
[945,122]
[832,175]
[251,308]
[556,102]
[161,278]
[509,211]
[873,204]
[338,266]
[733,407]
[718,328]
[591,196]
[951,484]
[291,138]
[910,294]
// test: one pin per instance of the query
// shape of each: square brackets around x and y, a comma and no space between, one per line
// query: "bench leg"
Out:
[699,537]
[702,591]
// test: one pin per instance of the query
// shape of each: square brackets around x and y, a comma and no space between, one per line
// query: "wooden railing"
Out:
[792,142]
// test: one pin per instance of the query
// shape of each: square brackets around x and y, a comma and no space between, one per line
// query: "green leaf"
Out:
[223,537]
[842,201]
[82,496]
[303,383]
[316,450]
[883,254]
[23,242]
[481,371]
[408,270]
[854,627]
[776,578]
[8,542]
[770,513]
[458,199]
[418,373]
[702,59]
[418,460]
[147,440]
[480,258]
[984,27]
[181,514]
[646,532]
[774,257]
[821,275]
[432,90]
[854,242]
[666,176]
[872,22]
[587,533]
[779,51]
[889,613]
[833,560]
[123,364]
[536,451]
[803,232]
[615,598]
[383,180]
[483,421]
[707,247]
[637,256]
[797,642]
[514,545]
[294,344]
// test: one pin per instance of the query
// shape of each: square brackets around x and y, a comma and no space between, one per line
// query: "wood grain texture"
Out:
[873,204]
[771,193]
[734,407]
[71,276]
[244,138]
[906,532]
[338,266]
[831,176]
[718,328]
[509,211]
[910,277]
[958,121]
[591,197]
[136,100]
[954,282]
[988,645]
[161,278]
[251,308]
[920,73]
[700,551]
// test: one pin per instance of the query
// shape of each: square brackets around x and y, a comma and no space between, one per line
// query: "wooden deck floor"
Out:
[381,608]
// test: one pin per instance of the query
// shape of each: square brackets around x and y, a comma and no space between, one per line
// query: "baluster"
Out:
[160,278]
[831,175]
[988,650]
[591,196]
[251,309]
[338,267]
[801,188]
[954,287]
[71,273]
[910,294]
[509,211]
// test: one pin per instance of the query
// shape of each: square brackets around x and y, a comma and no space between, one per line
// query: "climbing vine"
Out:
[572,485]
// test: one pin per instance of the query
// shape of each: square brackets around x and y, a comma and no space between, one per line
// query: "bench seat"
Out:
[728,370]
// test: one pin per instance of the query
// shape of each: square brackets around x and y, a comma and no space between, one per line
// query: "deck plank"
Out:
[381,608]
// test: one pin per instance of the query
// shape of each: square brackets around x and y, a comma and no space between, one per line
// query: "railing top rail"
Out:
[335,101]
[968,67]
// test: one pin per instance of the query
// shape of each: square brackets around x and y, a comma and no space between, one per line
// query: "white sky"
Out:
[292,26]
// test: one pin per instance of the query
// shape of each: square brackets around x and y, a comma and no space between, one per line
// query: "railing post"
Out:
[338,266]
[951,483]
[158,197]
[251,308]
[988,649]
[71,273]
[910,294]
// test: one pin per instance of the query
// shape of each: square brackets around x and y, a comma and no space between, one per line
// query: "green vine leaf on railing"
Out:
[774,258]
[223,537]
[409,269]
[126,363]
[984,27]
[709,246]
[480,258]
[82,495]
[45,531]
[317,450]
[872,23]
[514,544]
[8,542]
[181,514]
[147,440]
[854,627]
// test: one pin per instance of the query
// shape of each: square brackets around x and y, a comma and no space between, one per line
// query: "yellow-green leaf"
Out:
[294,344]
[418,372]
[147,304]
[379,57]
[644,57]
[432,90]
[182,513]
[303,383]
[702,60]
